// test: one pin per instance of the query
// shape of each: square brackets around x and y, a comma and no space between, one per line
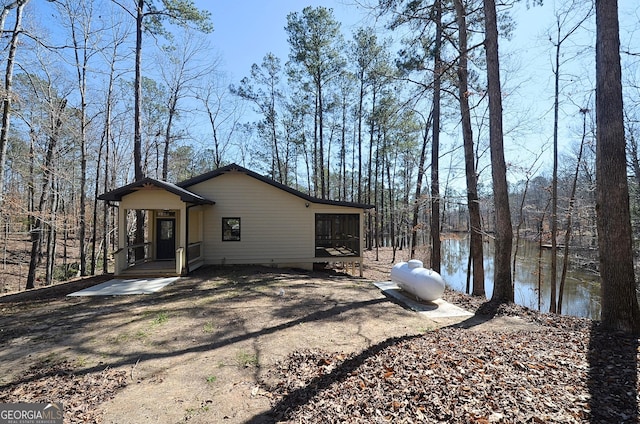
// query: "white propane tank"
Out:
[424,283]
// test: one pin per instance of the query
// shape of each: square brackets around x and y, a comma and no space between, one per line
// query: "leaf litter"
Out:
[563,371]
[58,381]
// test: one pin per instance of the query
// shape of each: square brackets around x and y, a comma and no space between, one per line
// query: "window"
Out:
[337,235]
[230,229]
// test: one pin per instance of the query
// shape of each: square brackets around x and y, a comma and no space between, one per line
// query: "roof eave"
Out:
[237,168]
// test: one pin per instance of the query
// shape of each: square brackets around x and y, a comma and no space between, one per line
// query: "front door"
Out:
[165,239]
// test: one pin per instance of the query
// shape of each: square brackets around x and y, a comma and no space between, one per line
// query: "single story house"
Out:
[231,216]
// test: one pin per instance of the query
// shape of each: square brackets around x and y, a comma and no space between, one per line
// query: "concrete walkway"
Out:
[118,287]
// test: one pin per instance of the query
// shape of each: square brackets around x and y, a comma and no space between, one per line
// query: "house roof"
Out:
[237,168]
[184,194]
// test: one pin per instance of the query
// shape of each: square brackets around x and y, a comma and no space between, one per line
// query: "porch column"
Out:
[201,225]
[122,228]
[182,239]
[361,254]
[120,256]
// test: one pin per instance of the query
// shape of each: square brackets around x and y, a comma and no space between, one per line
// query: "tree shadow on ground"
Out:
[301,396]
[315,313]
[485,313]
[613,377]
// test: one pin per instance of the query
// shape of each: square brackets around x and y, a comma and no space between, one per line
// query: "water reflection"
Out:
[582,288]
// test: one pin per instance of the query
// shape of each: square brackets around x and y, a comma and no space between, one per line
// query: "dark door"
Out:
[165,238]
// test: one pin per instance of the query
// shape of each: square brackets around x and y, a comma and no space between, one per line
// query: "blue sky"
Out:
[244,31]
[247,30]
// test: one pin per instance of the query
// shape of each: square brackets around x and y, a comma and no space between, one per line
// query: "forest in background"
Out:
[398,119]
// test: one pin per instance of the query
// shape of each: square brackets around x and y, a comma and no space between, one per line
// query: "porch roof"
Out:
[184,194]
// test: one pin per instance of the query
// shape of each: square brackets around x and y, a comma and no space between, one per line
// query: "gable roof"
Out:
[237,168]
[184,194]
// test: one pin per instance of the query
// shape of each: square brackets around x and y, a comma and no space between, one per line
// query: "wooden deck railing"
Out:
[131,255]
[134,254]
[195,252]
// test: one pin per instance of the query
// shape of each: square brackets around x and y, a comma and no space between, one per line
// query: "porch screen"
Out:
[337,235]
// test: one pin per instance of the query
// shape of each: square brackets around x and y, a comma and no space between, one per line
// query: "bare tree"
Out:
[223,113]
[565,26]
[151,18]
[181,71]
[79,17]
[111,56]
[7,95]
[572,200]
[56,121]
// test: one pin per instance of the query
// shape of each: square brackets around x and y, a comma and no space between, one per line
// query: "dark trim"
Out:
[224,218]
[158,235]
[343,238]
[237,168]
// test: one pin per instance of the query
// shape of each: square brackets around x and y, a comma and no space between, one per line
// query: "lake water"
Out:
[582,287]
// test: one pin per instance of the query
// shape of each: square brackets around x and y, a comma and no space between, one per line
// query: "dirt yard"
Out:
[238,345]
[196,349]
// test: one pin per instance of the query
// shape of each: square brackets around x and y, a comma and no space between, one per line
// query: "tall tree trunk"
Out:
[31,184]
[47,177]
[52,232]
[94,218]
[378,202]
[173,105]
[503,288]
[619,302]
[567,236]
[435,149]
[392,207]
[278,175]
[323,188]
[343,150]
[554,188]
[139,170]
[8,85]
[107,140]
[421,171]
[315,149]
[360,111]
[105,206]
[370,164]
[137,118]
[475,245]
[560,39]
[81,58]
